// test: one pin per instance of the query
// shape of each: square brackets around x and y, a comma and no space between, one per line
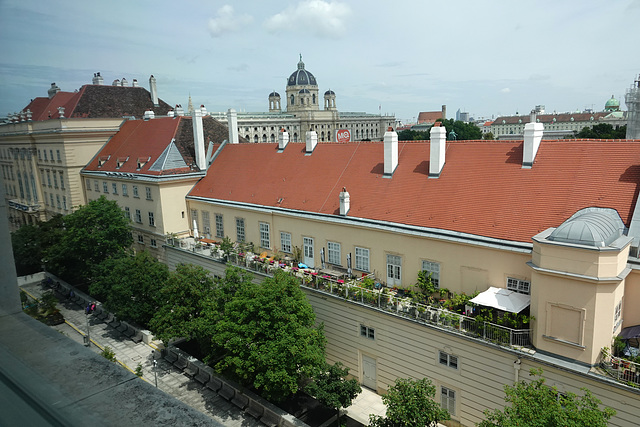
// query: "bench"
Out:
[137,337]
[240,400]
[215,384]
[114,322]
[130,331]
[171,357]
[254,409]
[109,318]
[181,363]
[122,327]
[202,376]
[227,392]
[191,369]
[270,418]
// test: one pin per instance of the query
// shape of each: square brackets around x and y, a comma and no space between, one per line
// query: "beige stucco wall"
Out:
[631,302]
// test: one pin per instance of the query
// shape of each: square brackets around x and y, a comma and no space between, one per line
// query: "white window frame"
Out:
[448,399]
[334,253]
[362,261]
[127,212]
[105,187]
[394,269]
[433,268]
[62,180]
[125,192]
[138,216]
[96,185]
[448,360]
[141,239]
[148,192]
[285,242]
[154,243]
[240,235]
[265,235]
[367,332]
[152,219]
[114,188]
[135,191]
[518,285]
[219,225]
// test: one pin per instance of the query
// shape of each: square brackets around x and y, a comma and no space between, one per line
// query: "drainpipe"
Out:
[516,368]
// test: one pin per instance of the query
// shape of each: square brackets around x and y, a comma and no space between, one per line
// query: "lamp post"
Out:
[87,339]
[155,371]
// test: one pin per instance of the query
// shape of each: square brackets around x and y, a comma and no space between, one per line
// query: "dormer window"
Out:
[121,161]
[142,161]
[102,160]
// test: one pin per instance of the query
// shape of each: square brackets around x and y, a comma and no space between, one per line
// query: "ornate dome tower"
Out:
[612,105]
[330,100]
[274,102]
[302,90]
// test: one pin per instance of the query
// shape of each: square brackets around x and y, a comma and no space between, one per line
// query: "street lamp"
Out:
[155,371]
[87,339]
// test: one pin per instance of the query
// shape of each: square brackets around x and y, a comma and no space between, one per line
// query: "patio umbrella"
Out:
[322,257]
[195,229]
[349,264]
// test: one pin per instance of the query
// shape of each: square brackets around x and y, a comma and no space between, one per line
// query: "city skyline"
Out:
[399,58]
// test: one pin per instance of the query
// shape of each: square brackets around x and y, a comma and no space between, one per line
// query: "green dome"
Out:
[612,104]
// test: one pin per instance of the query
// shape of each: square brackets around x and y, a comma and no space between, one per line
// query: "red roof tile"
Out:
[429,116]
[482,189]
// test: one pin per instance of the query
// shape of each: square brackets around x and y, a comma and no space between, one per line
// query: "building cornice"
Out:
[143,177]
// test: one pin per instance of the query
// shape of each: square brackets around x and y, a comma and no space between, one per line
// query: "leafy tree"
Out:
[464,131]
[332,389]
[92,234]
[130,285]
[410,403]
[488,136]
[30,242]
[603,131]
[413,135]
[535,404]
[267,337]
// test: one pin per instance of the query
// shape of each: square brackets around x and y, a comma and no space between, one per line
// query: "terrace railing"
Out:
[621,369]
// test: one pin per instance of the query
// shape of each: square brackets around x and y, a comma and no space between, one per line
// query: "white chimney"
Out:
[312,140]
[283,139]
[97,79]
[149,114]
[390,152]
[53,90]
[29,115]
[61,112]
[198,139]
[179,110]
[124,82]
[116,82]
[154,91]
[204,110]
[170,113]
[134,83]
[437,148]
[532,136]
[345,202]
[232,124]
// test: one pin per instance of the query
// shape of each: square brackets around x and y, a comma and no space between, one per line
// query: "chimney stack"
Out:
[97,79]
[345,202]
[198,139]
[390,152]
[154,91]
[116,82]
[124,82]
[170,113]
[179,110]
[444,112]
[532,136]
[283,139]
[312,141]
[203,109]
[437,148]
[232,124]
[61,112]
[134,83]
[53,90]
[149,114]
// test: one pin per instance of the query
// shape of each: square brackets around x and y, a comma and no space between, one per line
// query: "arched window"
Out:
[292,99]
[322,136]
[314,98]
[295,137]
[273,138]
[356,134]
[255,138]
[264,137]
[248,137]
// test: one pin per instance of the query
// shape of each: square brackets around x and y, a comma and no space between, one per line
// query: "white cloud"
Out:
[505,90]
[227,21]
[319,17]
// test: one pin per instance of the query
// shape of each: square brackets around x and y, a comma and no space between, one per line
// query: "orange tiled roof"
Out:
[429,116]
[482,190]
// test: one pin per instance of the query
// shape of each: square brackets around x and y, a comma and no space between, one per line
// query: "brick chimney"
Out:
[283,139]
[437,148]
[532,136]
[345,202]
[312,140]
[198,139]
[154,91]
[232,124]
[390,152]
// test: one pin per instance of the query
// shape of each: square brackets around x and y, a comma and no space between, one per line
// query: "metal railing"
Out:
[621,369]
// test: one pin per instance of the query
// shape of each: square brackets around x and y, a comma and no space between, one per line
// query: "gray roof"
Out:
[597,227]
[169,159]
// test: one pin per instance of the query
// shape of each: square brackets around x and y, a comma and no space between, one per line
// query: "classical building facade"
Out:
[44,147]
[303,113]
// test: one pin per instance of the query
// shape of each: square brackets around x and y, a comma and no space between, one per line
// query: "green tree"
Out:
[30,243]
[92,234]
[332,388]
[603,131]
[413,135]
[489,136]
[410,403]
[129,286]
[267,337]
[464,131]
[535,404]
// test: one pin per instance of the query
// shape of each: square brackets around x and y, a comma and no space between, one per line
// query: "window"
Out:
[46,201]
[617,317]
[96,186]
[135,191]
[49,178]
[519,286]
[138,216]
[154,244]
[114,188]
[394,270]
[127,212]
[240,229]
[367,332]
[58,205]
[45,155]
[62,180]
[124,190]
[285,242]
[265,239]
[219,225]
[51,199]
[58,155]
[448,399]
[64,202]
[148,191]
[433,268]
[333,253]
[51,152]
[362,259]
[152,220]
[141,239]
[88,185]
[39,155]
[194,218]
[105,188]
[55,180]
[449,360]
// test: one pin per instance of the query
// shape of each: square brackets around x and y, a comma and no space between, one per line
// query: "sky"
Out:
[398,57]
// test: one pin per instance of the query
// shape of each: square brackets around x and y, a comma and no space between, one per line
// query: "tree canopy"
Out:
[332,388]
[410,404]
[30,243]
[129,286]
[536,404]
[463,131]
[603,131]
[267,337]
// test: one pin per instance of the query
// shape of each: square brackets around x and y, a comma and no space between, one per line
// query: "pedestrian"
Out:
[93,306]
[88,309]
[71,294]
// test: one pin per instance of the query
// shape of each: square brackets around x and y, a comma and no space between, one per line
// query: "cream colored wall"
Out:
[173,205]
[588,262]
[631,302]
[463,268]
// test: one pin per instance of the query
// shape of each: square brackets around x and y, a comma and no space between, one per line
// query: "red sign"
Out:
[343,135]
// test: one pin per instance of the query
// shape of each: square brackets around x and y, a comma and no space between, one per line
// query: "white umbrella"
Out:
[349,264]
[195,229]
[322,257]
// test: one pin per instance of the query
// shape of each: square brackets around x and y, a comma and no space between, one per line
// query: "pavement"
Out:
[165,376]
